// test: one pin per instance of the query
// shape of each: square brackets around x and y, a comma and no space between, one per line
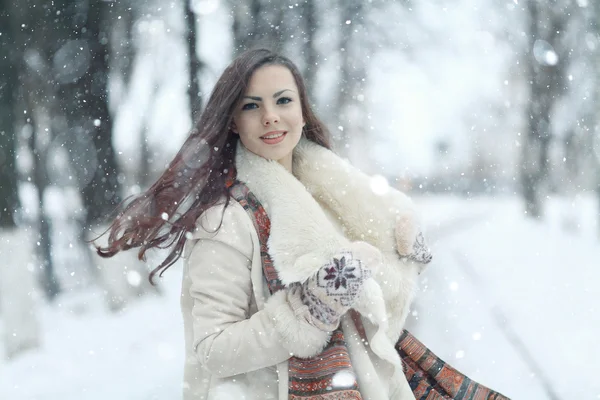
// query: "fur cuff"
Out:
[300,337]
[398,281]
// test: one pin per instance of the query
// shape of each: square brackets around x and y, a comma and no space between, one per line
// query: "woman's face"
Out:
[269,118]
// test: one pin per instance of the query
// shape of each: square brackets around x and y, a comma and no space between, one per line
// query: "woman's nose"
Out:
[270,118]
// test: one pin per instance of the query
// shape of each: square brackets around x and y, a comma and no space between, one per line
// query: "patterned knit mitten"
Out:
[336,286]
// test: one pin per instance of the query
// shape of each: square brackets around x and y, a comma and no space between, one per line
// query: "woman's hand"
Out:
[410,241]
[336,286]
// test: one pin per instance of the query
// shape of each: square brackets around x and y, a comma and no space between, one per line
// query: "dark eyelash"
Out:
[251,106]
[248,106]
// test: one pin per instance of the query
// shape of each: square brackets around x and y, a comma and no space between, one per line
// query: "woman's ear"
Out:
[233,128]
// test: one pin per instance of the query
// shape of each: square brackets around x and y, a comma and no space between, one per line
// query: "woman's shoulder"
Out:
[227,222]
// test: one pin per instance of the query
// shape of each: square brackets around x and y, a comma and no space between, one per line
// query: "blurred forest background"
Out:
[464,97]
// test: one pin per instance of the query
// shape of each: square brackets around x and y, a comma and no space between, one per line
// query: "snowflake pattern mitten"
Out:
[335,287]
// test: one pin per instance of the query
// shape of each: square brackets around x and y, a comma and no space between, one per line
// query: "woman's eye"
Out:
[249,106]
[283,100]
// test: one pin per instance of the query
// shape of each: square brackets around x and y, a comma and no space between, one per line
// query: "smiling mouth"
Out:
[273,135]
[274,138]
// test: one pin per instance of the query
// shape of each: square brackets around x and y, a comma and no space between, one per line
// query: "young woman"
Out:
[297,277]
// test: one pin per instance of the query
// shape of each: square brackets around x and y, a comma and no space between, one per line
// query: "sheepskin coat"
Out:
[238,337]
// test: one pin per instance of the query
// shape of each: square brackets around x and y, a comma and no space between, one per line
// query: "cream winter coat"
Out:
[238,337]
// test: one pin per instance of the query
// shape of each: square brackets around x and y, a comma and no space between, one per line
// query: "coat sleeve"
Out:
[228,340]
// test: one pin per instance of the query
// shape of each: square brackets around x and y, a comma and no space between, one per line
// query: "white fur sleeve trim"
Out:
[298,335]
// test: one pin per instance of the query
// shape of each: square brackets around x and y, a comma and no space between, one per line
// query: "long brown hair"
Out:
[195,179]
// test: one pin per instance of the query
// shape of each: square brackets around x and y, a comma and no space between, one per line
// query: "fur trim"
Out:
[286,201]
[298,336]
[398,281]
[347,191]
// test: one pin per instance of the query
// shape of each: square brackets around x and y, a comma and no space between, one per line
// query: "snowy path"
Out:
[511,302]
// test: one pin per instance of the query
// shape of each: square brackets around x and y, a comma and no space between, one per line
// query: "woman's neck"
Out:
[286,162]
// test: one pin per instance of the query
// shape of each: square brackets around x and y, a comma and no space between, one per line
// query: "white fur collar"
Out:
[348,192]
[298,222]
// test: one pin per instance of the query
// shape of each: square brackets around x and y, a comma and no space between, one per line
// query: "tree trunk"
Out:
[48,279]
[546,78]
[143,172]
[83,96]
[17,285]
[102,194]
[578,142]
[121,48]
[243,24]
[258,23]
[309,17]
[594,113]
[194,65]
[37,98]
[353,73]
[9,77]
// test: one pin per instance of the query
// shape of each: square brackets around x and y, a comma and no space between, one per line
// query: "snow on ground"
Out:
[508,301]
[92,354]
[511,301]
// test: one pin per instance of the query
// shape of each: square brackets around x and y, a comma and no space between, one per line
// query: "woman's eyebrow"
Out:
[277,94]
[256,98]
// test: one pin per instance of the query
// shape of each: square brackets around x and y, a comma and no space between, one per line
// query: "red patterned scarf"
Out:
[429,377]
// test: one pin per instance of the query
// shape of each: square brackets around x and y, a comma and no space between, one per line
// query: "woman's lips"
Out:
[274,140]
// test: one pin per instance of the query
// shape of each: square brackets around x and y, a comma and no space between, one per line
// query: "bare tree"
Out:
[83,96]
[259,23]
[244,20]
[36,94]
[580,109]
[310,26]
[194,63]
[546,64]
[352,77]
[38,144]
[17,306]
[9,76]
[593,114]
[121,48]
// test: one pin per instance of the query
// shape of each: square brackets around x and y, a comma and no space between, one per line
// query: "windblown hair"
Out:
[194,181]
